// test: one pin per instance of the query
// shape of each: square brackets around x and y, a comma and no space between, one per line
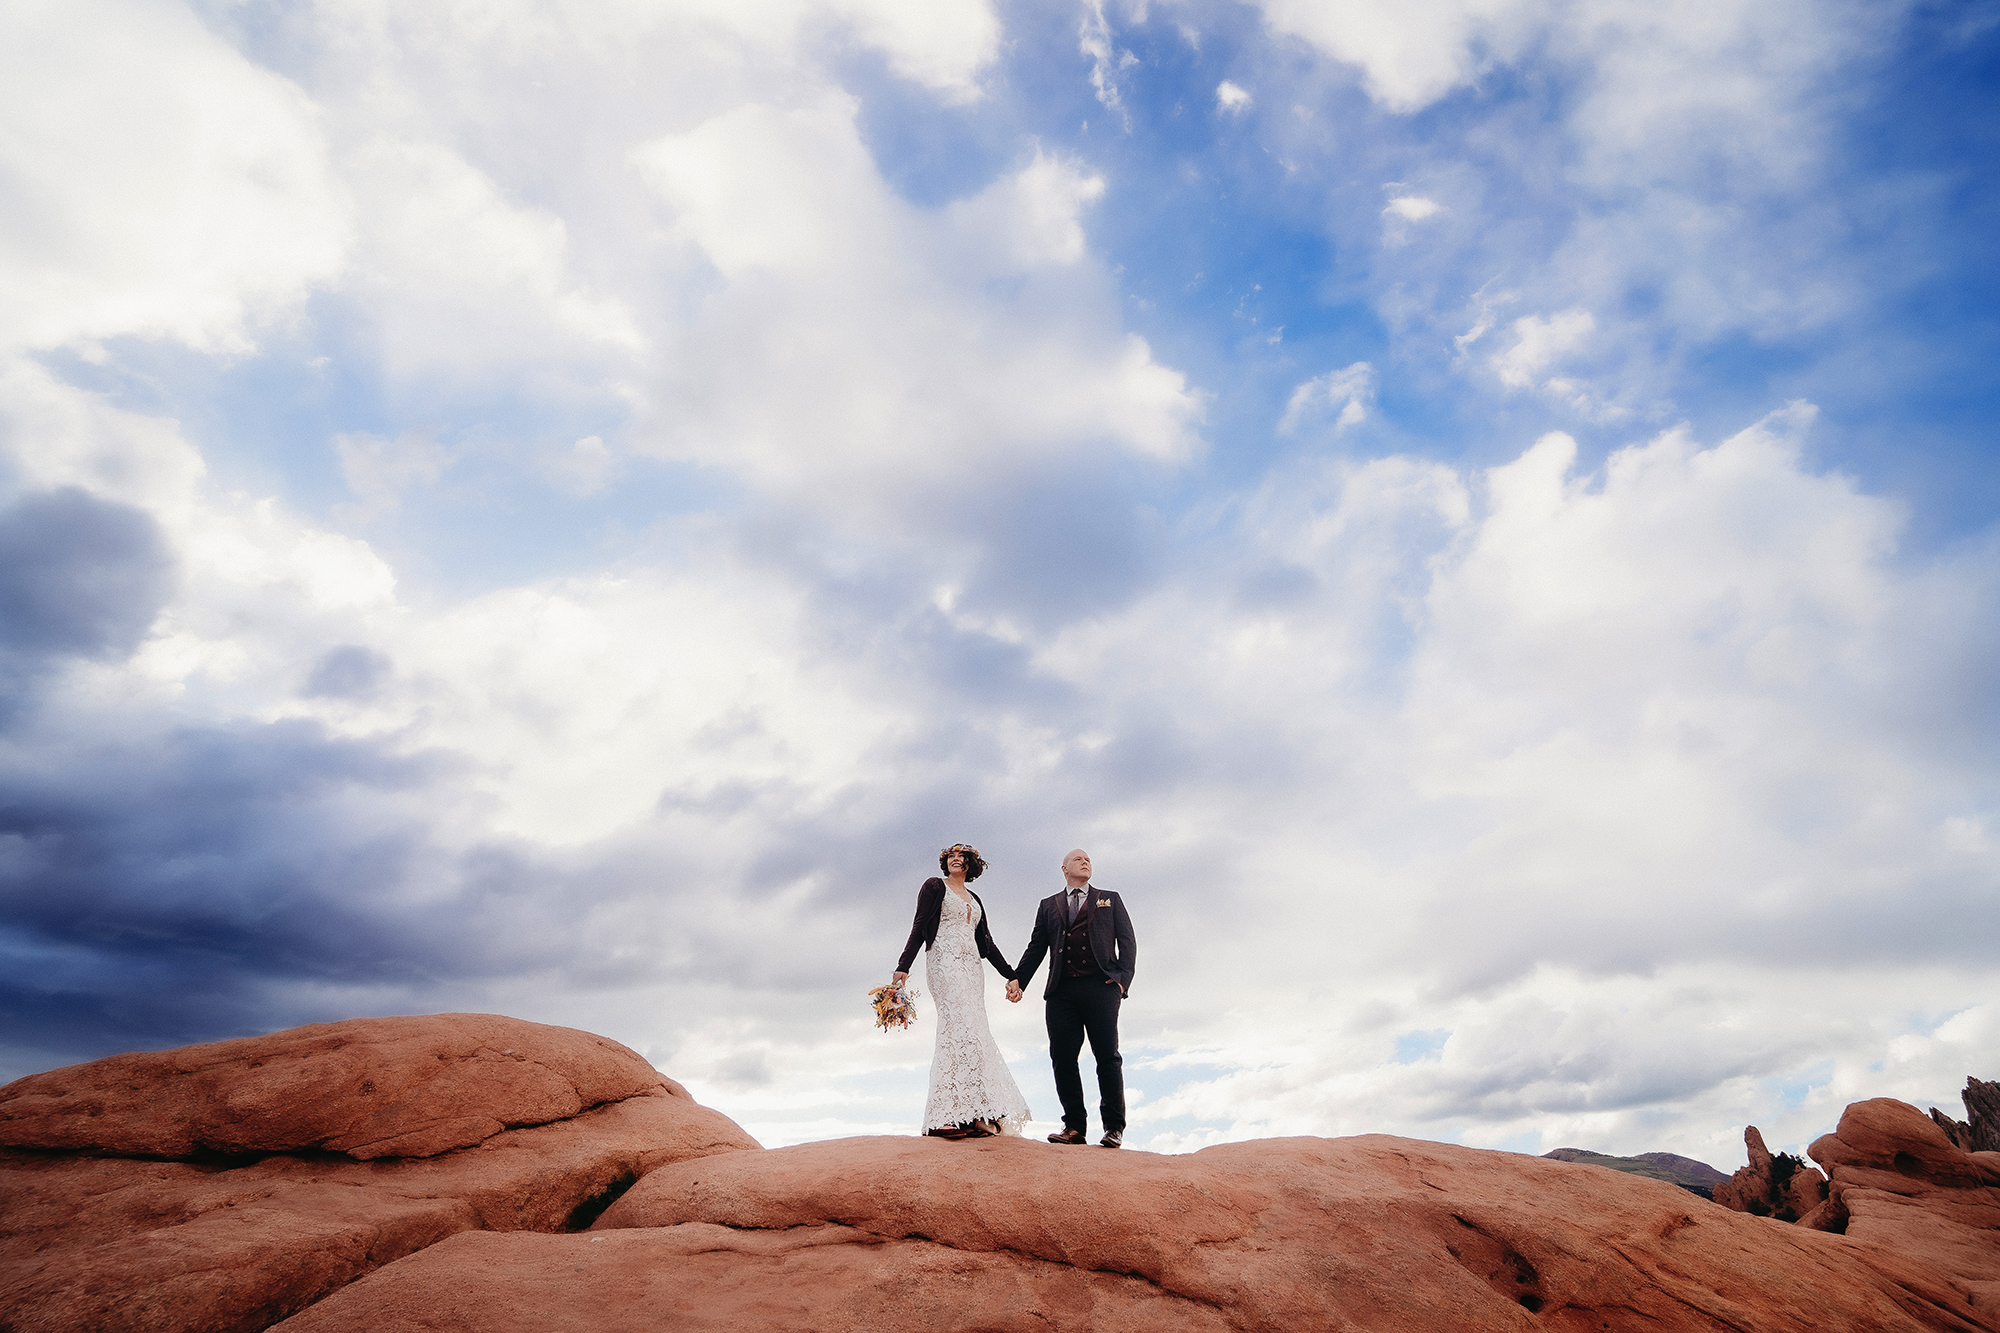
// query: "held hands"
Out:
[1014,989]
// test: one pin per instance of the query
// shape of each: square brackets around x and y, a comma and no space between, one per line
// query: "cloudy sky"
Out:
[1480,514]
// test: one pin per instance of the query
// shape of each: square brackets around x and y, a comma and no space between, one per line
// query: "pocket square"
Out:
[1104,902]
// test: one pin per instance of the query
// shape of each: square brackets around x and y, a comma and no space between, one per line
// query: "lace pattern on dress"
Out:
[969,1079]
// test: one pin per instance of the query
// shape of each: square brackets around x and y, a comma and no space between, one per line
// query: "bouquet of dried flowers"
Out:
[893,1004]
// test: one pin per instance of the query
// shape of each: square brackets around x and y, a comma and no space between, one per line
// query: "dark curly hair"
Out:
[975,864]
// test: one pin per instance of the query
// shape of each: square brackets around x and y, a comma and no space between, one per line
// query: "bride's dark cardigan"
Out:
[930,903]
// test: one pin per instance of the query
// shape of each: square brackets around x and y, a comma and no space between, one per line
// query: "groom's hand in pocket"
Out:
[1013,992]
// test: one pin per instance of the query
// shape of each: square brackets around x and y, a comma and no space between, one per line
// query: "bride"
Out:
[972,1095]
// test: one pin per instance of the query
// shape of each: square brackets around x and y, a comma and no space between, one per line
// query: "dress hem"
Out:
[1015,1126]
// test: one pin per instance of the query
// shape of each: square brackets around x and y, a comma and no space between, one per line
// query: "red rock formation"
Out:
[1898,1183]
[129,1243]
[1982,1103]
[369,1087]
[1980,1131]
[218,1188]
[1782,1187]
[1281,1235]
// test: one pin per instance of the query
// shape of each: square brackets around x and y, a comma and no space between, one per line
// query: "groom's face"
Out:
[1077,866]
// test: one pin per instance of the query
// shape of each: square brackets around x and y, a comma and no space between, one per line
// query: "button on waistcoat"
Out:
[1078,961]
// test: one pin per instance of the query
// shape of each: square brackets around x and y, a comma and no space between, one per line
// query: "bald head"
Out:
[1076,868]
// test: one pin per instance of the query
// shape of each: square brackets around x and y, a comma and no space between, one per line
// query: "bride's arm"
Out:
[991,951]
[929,898]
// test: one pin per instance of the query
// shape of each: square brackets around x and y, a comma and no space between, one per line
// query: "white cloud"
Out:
[1107,62]
[945,46]
[1402,211]
[1486,304]
[1349,392]
[855,338]
[1412,54]
[461,280]
[588,703]
[1703,223]
[1231,99]
[1727,74]
[765,189]
[162,184]
[56,436]
[1031,219]
[1411,208]
[1541,343]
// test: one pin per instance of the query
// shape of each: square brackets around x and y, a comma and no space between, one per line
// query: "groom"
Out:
[1095,954]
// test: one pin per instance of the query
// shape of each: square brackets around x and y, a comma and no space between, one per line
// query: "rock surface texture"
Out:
[224,1186]
[1369,1233]
[439,1174]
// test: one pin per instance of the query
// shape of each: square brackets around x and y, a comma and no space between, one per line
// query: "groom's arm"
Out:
[1128,945]
[1031,957]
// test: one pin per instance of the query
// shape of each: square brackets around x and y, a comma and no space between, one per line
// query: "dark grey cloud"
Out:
[183,885]
[347,672]
[79,577]
[156,889]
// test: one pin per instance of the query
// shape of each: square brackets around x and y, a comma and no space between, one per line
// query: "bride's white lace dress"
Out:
[969,1080]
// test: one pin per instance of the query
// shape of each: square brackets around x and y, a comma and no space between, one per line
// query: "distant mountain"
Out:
[1689,1174]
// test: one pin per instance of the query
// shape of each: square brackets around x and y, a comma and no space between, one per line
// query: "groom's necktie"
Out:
[1075,903]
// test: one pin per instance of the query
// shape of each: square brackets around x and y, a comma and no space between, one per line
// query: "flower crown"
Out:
[975,864]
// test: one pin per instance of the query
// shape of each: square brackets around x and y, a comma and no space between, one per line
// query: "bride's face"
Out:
[955,864]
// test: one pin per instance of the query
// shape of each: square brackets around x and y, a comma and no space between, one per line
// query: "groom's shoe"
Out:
[1115,1139]
[1069,1136]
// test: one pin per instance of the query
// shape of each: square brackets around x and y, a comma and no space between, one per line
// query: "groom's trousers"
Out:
[1077,1007]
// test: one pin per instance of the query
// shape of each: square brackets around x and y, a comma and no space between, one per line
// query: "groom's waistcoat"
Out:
[1102,931]
[1077,959]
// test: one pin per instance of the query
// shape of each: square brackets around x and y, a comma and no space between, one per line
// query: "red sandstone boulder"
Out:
[99,1232]
[368,1087]
[1780,1187]
[90,1241]
[1282,1235]
[1897,1182]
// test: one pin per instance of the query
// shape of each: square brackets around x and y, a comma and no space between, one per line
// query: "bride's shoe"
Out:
[980,1129]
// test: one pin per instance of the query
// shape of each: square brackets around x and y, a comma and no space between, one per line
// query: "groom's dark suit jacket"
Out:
[1110,936]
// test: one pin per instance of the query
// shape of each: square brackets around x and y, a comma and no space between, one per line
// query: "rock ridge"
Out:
[263,1213]
[364,1088]
[1370,1232]
[640,1209]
